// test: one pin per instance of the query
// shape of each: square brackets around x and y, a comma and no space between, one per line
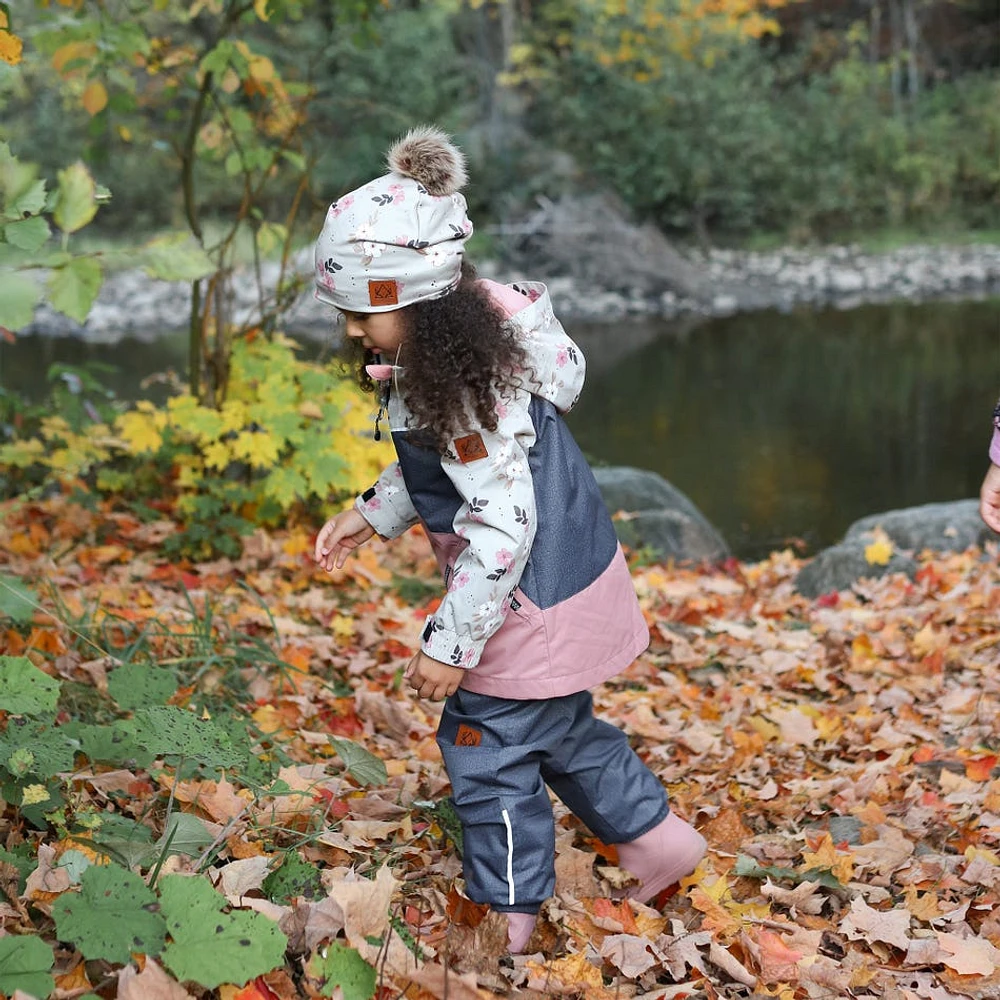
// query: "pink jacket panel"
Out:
[573,646]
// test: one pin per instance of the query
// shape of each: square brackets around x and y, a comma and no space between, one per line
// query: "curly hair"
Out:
[458,353]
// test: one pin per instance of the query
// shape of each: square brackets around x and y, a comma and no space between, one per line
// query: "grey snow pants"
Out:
[500,754]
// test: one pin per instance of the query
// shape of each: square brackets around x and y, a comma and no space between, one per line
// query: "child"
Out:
[539,604]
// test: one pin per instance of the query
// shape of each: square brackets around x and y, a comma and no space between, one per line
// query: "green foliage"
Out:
[17,602]
[339,967]
[141,685]
[112,916]
[24,689]
[362,764]
[174,732]
[212,946]
[183,835]
[25,964]
[293,879]
[754,142]
[24,231]
[36,748]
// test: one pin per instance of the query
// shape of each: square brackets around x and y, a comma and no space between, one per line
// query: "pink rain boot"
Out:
[661,857]
[519,928]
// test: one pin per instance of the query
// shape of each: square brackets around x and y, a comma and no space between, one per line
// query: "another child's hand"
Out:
[340,536]
[989,498]
[432,679]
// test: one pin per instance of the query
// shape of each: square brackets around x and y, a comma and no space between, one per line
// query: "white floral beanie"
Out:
[400,238]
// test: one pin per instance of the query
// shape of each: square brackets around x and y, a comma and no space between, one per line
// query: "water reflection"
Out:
[792,426]
[777,426]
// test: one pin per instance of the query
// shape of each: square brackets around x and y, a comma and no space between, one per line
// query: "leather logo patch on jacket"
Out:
[467,736]
[471,448]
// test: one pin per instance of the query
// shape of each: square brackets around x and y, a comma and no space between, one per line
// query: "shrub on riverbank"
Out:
[287,440]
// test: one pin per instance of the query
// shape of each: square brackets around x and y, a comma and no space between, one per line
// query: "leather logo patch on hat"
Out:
[470,448]
[383,293]
[467,736]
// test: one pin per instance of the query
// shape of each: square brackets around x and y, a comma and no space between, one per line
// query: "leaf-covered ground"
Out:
[839,755]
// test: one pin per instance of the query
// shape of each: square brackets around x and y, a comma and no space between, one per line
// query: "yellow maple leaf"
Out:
[572,971]
[342,627]
[256,448]
[879,552]
[826,856]
[217,455]
[139,431]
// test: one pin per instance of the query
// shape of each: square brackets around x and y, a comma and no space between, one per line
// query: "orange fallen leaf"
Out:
[981,768]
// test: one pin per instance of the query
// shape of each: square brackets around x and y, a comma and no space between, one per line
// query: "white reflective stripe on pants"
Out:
[510,858]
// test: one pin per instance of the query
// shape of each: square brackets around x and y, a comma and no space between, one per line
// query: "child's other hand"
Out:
[431,678]
[340,536]
[989,498]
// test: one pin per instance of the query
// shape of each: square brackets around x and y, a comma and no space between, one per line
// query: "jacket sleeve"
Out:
[387,506]
[490,471]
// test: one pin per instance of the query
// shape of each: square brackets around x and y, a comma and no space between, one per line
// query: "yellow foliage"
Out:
[72,53]
[11,47]
[257,449]
[95,98]
[31,795]
[138,429]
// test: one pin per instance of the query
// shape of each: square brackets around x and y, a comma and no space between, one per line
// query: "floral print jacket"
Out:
[514,515]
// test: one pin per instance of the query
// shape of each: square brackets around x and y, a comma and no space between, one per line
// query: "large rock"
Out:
[593,238]
[941,527]
[661,518]
[841,566]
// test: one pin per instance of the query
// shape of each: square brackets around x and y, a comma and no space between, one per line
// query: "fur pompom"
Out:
[430,157]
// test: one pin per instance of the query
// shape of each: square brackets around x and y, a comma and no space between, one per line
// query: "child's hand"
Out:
[340,536]
[431,678]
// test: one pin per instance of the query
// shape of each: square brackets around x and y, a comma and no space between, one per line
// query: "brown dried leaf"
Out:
[150,984]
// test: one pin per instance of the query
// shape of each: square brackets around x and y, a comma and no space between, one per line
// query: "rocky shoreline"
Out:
[131,304]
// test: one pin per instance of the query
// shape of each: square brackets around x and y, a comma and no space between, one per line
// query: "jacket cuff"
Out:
[995,448]
[447,646]
[379,512]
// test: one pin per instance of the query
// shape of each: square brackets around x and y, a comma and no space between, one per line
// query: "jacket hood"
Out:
[556,366]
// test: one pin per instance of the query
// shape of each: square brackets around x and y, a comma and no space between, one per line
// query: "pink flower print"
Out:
[341,205]
[505,558]
[398,193]
[501,409]
[459,580]
[562,357]
[467,226]
[534,294]
[327,282]
[467,657]
[374,504]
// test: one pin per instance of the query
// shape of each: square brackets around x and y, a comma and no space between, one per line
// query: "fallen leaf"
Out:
[150,984]
[864,922]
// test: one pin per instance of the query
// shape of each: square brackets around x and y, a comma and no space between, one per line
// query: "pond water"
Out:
[783,429]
